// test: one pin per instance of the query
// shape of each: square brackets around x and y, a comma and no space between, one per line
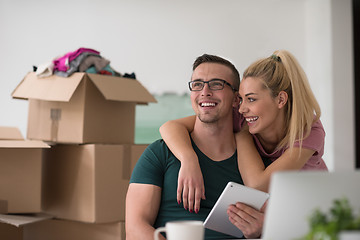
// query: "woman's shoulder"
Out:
[317,126]
[316,138]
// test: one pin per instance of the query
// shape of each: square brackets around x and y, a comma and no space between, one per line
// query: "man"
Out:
[151,198]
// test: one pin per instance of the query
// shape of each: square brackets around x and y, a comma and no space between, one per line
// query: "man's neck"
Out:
[216,141]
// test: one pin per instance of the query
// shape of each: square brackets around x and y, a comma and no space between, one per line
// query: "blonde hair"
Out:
[282,72]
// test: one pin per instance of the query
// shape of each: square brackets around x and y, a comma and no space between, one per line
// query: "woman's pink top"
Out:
[315,141]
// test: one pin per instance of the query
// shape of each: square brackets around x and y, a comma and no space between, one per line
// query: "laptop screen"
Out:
[295,194]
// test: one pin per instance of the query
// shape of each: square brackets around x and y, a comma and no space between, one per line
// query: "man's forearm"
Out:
[141,232]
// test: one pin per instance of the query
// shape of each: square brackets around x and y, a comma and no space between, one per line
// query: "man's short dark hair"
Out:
[207,58]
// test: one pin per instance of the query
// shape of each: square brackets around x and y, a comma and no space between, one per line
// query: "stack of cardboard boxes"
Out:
[89,121]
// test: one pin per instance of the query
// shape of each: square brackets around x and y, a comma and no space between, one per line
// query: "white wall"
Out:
[343,92]
[319,64]
[329,66]
[159,39]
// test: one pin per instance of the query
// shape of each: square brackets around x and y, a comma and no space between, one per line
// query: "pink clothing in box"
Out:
[62,63]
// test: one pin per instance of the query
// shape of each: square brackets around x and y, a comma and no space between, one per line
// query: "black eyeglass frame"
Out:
[208,82]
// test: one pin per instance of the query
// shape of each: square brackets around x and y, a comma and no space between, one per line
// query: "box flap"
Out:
[122,89]
[23,144]
[20,220]
[10,133]
[53,88]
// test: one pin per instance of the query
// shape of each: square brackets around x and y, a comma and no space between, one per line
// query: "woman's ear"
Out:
[282,99]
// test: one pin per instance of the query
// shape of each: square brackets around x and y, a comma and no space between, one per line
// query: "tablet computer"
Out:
[218,220]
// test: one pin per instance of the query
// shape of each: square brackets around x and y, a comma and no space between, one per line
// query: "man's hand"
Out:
[190,186]
[249,220]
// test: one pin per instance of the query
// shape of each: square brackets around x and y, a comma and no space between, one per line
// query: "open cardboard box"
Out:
[88,182]
[83,108]
[20,171]
[42,227]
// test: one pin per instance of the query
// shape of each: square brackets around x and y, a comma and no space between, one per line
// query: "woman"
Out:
[282,124]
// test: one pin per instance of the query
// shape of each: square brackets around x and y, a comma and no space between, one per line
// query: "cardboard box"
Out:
[20,171]
[10,232]
[10,133]
[3,206]
[83,108]
[87,182]
[42,228]
[70,230]
[136,151]
[12,226]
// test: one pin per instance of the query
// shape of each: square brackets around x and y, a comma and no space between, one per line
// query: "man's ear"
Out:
[236,102]
[282,99]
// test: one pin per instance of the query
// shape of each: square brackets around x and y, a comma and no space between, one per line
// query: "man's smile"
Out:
[207,104]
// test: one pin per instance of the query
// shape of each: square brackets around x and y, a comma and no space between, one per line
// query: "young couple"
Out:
[276,119]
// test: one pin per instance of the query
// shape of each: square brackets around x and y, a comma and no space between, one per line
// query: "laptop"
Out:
[295,194]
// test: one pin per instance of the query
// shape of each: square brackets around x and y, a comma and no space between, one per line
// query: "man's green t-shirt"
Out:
[158,166]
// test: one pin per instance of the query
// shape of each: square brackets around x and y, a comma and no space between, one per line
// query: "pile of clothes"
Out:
[82,60]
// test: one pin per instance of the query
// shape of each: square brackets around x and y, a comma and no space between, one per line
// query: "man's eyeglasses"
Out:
[215,84]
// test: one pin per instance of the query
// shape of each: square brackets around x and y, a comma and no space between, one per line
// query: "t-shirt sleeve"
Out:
[315,140]
[149,169]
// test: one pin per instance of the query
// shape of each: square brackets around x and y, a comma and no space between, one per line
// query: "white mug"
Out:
[181,230]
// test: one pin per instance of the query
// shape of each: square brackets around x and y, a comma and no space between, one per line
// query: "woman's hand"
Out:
[190,186]
[249,220]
